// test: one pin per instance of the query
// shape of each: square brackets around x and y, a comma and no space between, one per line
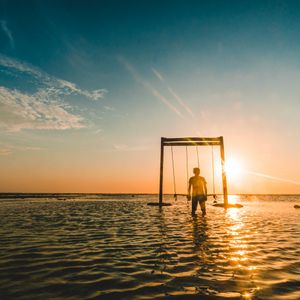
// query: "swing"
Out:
[193,141]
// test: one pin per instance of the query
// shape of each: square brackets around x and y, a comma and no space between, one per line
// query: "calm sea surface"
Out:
[117,247]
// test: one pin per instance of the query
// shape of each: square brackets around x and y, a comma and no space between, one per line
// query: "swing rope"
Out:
[198,156]
[213,171]
[187,167]
[173,168]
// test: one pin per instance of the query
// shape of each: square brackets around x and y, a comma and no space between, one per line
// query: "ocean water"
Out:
[117,247]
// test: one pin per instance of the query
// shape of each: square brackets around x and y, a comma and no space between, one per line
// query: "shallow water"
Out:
[94,247]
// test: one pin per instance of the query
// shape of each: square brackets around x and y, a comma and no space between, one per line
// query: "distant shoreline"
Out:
[12,195]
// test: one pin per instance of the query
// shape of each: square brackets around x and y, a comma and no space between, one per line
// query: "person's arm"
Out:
[205,187]
[189,190]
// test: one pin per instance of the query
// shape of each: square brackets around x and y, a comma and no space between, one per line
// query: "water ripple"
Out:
[108,249]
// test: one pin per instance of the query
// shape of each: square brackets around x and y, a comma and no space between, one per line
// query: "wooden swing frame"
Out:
[192,141]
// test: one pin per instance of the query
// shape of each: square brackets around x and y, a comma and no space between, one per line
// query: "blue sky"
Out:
[89,87]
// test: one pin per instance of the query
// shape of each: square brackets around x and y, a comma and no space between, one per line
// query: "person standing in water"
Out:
[199,191]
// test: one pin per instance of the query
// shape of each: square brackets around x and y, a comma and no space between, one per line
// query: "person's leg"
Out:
[203,208]
[194,205]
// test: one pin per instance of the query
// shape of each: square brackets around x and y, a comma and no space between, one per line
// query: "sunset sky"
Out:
[87,88]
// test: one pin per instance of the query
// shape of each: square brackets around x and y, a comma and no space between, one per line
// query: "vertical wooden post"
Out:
[161,175]
[224,179]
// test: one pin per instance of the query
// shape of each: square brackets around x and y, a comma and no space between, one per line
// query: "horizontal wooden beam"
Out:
[190,139]
[191,143]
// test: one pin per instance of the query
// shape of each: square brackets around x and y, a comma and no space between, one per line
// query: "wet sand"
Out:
[117,247]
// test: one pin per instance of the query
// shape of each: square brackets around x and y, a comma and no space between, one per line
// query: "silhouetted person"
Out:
[199,191]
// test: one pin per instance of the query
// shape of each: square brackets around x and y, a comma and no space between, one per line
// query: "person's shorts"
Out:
[199,198]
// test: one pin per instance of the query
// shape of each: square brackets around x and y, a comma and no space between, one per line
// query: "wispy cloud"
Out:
[148,86]
[165,101]
[181,102]
[43,109]
[22,111]
[274,177]
[109,108]
[4,151]
[158,75]
[70,88]
[7,149]
[97,131]
[62,87]
[172,92]
[8,33]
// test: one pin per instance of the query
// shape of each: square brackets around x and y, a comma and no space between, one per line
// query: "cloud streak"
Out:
[6,149]
[149,87]
[8,33]
[173,93]
[43,109]
[274,177]
[63,87]
[158,75]
[23,111]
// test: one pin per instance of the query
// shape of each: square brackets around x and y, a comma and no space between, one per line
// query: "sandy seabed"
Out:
[117,247]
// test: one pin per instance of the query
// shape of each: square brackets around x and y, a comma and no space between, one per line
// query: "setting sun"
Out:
[233,168]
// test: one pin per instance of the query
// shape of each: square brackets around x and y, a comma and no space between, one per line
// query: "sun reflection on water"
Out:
[239,255]
[233,199]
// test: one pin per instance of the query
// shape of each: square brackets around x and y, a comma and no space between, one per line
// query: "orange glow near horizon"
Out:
[122,179]
[89,171]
